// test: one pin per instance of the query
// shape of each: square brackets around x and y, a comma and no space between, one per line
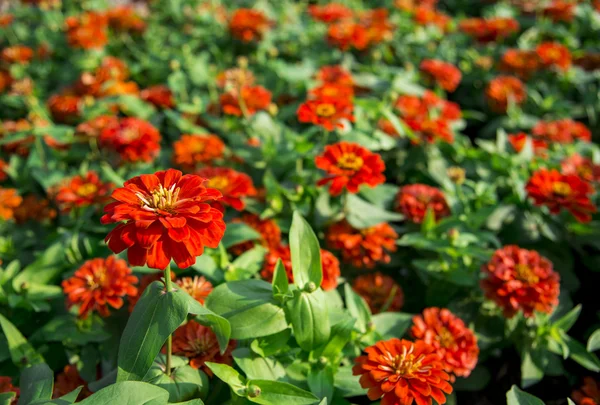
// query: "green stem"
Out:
[169,287]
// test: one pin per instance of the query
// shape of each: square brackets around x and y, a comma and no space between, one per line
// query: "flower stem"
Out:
[168,287]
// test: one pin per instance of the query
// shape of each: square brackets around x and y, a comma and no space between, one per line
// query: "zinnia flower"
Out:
[270,234]
[503,90]
[331,90]
[424,15]
[192,150]
[64,108]
[232,184]
[33,209]
[380,292]
[82,191]
[489,30]
[254,99]
[93,128]
[9,201]
[554,54]
[16,54]
[197,287]
[347,34]
[520,62]
[329,13]
[453,340]
[67,381]
[414,200]
[124,18]
[164,216]
[400,372]
[588,394]
[582,167]
[519,279]
[135,140]
[445,74]
[249,25]
[362,247]
[235,78]
[335,74]
[98,284]
[562,131]
[87,31]
[160,96]
[562,191]
[326,112]
[349,165]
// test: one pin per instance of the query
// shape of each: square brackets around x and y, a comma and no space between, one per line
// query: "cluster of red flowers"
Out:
[563,131]
[489,30]
[444,74]
[503,91]
[414,200]
[518,141]
[524,63]
[249,25]
[81,191]
[379,291]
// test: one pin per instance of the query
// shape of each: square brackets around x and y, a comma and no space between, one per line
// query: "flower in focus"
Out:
[445,74]
[489,30]
[164,216]
[124,18]
[232,184]
[87,31]
[328,113]
[402,372]
[67,381]
[520,62]
[98,284]
[199,344]
[9,201]
[197,287]
[248,101]
[249,25]
[82,191]
[349,165]
[561,191]
[270,234]
[65,108]
[335,74]
[329,13]
[554,54]
[33,209]
[6,386]
[191,150]
[519,279]
[160,96]
[135,140]
[562,131]
[414,200]
[16,54]
[582,167]
[362,247]
[380,291]
[518,141]
[453,340]
[588,394]
[504,90]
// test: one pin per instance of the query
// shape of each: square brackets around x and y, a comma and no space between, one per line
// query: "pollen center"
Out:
[218,182]
[526,274]
[129,134]
[561,189]
[325,110]
[161,199]
[445,337]
[349,161]
[406,365]
[86,190]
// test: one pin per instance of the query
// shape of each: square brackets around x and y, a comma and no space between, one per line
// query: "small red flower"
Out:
[588,394]
[82,191]
[558,191]
[199,344]
[124,18]
[67,381]
[33,209]
[65,108]
[445,74]
[517,141]
[9,202]
[232,184]
[6,386]
[503,90]
[347,34]
[560,10]
[326,112]
[519,279]
[270,234]
[249,25]
[400,372]
[414,200]
[160,95]
[329,13]
[362,247]
[87,31]
[17,54]
[335,74]
[254,99]
[332,90]
[522,63]
[381,292]
[164,216]
[191,150]
[562,131]
[135,140]
[454,342]
[489,30]
[554,54]
[98,284]
[197,287]
[93,128]
[6,20]
[582,167]
[348,166]
[424,15]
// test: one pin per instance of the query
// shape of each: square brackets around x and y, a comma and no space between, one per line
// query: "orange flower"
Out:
[93,128]
[517,141]
[489,30]
[124,18]
[326,112]
[519,62]
[562,191]
[348,166]
[133,139]
[332,90]
[347,34]
[33,209]
[98,284]
[446,75]
[191,150]
[254,99]
[249,25]
[160,95]
[411,5]
[414,200]
[453,341]
[335,74]
[376,22]
[329,13]
[519,279]
[562,131]
[17,54]
[64,108]
[67,381]
[6,20]
[6,386]
[582,167]
[588,394]
[236,78]
[400,372]
[82,191]
[232,184]
[504,90]
[87,31]
[424,15]
[199,344]
[329,263]
[117,88]
[554,54]
[197,287]
[431,131]
[381,292]
[9,201]
[560,10]
[270,234]
[5,80]
[164,216]
[362,247]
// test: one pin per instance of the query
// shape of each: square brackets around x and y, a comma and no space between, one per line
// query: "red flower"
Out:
[381,292]
[33,209]
[87,31]
[98,284]
[454,342]
[9,201]
[199,344]
[582,167]
[249,25]
[332,90]
[560,10]
[588,394]
[445,74]
[377,25]
[347,34]
[191,150]
[3,167]
[400,372]
[197,287]
[335,74]
[517,141]
[520,62]
[232,184]
[425,15]
[255,98]
[93,128]
[124,18]
[505,89]
[6,386]
[431,131]
[160,95]
[67,381]
[489,30]
[562,131]
[520,279]
[329,263]
[64,108]
[164,216]
[362,247]
[558,191]
[135,140]
[330,12]
[270,234]
[554,54]
[326,112]
[17,54]
[348,166]
[82,191]
[414,200]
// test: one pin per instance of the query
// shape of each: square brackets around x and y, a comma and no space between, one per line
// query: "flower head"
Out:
[16,54]
[67,381]
[249,25]
[329,13]
[414,200]
[197,287]
[124,18]
[248,100]
[232,184]
[270,234]
[82,191]
[164,216]
[191,150]
[445,74]
[503,90]
[560,10]
[135,140]
[326,112]
[65,108]
[562,131]
[9,201]
[428,16]
[588,394]
[332,90]
[93,127]
[489,30]
[554,54]
[87,31]
[522,63]
[33,209]
[348,34]
[582,167]
[235,78]
[380,292]
[160,96]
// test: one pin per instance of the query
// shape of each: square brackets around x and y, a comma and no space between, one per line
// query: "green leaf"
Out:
[362,214]
[238,233]
[36,383]
[341,334]
[44,269]
[206,266]
[135,106]
[269,345]
[128,393]
[568,320]
[247,264]
[476,381]
[249,307]
[67,329]
[156,315]
[347,383]
[517,397]
[7,398]
[593,343]
[184,383]
[310,319]
[229,376]
[392,324]
[579,354]
[278,393]
[281,288]
[21,352]
[428,224]
[358,308]
[321,383]
[306,253]
[531,373]
[255,366]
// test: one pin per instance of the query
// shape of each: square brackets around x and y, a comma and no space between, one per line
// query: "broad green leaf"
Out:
[128,393]
[280,284]
[247,264]
[578,353]
[358,308]
[156,315]
[568,320]
[341,334]
[279,393]
[269,345]
[310,319]
[21,352]
[7,398]
[66,399]
[517,397]
[531,373]
[593,343]
[238,233]
[36,384]
[321,383]
[392,324]
[347,383]
[184,383]
[428,224]
[362,214]
[66,329]
[306,253]
[255,366]
[476,381]
[44,269]
[207,266]
[229,376]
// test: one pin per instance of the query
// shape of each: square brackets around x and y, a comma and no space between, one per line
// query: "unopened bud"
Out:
[242,62]
[253,391]
[456,174]
[310,287]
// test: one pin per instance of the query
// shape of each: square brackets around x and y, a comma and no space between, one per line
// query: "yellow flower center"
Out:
[561,189]
[404,364]
[349,161]
[218,182]
[325,110]
[526,274]
[198,146]
[96,280]
[86,190]
[129,134]
[445,337]
[160,199]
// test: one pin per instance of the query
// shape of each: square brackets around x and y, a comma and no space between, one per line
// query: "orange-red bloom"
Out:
[348,166]
[329,13]
[249,25]
[159,95]
[362,247]
[445,74]
[332,90]
[380,292]
[414,200]
[400,372]
[82,191]
[489,30]
[232,184]
[517,141]
[520,62]
[16,54]
[197,287]
[588,394]
[582,167]
[124,18]
[253,99]
[93,128]
[519,279]
[554,54]
[6,386]
[6,20]
[199,344]
[191,150]
[424,15]
[164,216]
[87,31]
[64,108]
[135,140]
[562,191]
[98,284]
[347,34]
[270,234]
[504,90]
[562,131]
[335,74]
[453,340]
[560,10]
[67,381]
[9,201]
[329,113]
[33,209]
